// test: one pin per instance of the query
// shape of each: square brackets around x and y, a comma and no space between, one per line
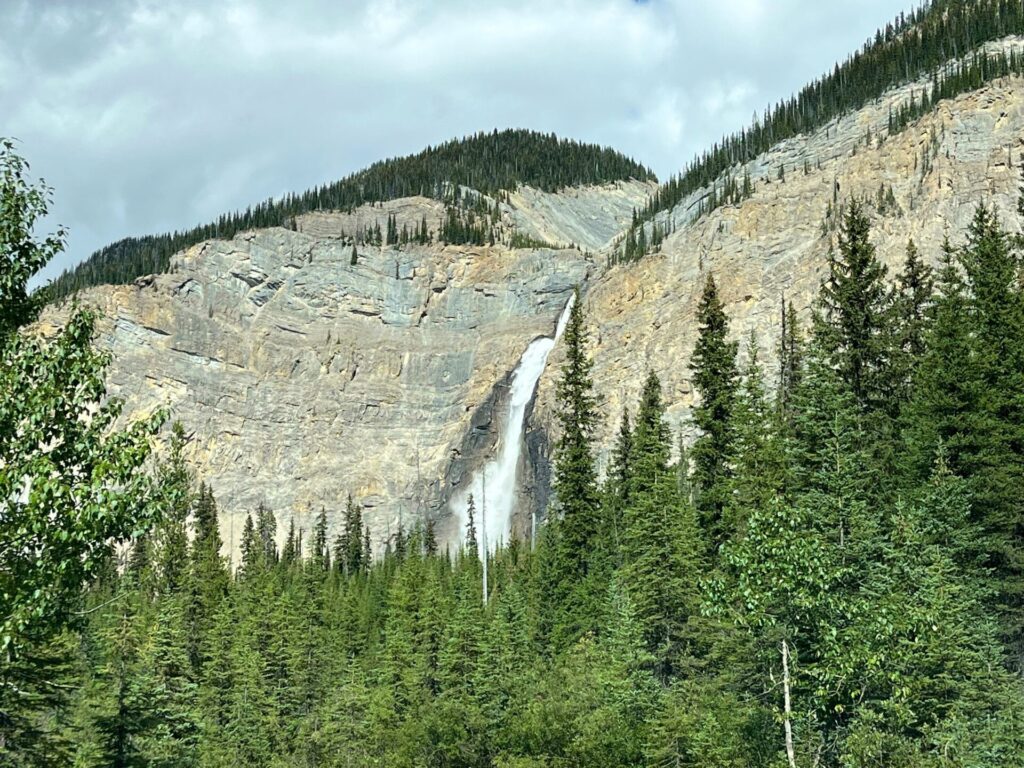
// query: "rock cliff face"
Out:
[776,243]
[303,378]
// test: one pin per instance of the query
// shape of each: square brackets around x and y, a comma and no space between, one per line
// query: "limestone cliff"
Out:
[776,243]
[302,377]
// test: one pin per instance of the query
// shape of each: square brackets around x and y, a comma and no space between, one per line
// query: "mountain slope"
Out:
[922,183]
[310,362]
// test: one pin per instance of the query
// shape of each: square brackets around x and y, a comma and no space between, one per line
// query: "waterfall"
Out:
[499,472]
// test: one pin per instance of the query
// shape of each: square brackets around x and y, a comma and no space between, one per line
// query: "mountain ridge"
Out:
[911,45]
[485,162]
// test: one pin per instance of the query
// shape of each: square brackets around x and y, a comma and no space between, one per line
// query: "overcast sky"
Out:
[150,116]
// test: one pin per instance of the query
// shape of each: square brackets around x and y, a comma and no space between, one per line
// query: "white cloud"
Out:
[147,116]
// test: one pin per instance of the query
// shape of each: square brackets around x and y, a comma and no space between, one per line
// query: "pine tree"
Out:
[171,539]
[790,358]
[353,528]
[169,689]
[367,554]
[472,543]
[266,536]
[579,562]
[250,549]
[321,552]
[993,273]
[856,306]
[207,577]
[616,490]
[662,547]
[290,553]
[429,539]
[715,380]
[916,287]
[760,470]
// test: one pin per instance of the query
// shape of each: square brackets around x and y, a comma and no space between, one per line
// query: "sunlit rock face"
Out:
[302,377]
[776,243]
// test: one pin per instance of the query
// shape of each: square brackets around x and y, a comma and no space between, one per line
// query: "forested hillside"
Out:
[938,41]
[486,162]
[829,576]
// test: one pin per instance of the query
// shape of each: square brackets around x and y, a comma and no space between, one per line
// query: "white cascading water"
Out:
[494,485]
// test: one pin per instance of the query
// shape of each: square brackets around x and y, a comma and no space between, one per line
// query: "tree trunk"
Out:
[787,707]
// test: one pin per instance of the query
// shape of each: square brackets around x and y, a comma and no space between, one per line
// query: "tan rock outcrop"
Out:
[302,378]
[776,243]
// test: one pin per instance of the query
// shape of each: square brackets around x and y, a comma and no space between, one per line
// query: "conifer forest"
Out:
[825,569]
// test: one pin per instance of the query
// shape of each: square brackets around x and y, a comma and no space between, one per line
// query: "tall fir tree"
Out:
[790,358]
[716,380]
[662,546]
[574,483]
[856,314]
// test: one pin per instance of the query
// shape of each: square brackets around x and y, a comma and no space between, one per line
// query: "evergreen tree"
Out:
[321,552]
[266,535]
[790,359]
[472,543]
[993,272]
[760,471]
[715,379]
[250,549]
[289,553]
[575,483]
[207,578]
[662,547]
[856,315]
[616,490]
[946,388]
[169,690]
[916,287]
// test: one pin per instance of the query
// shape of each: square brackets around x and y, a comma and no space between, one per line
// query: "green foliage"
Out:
[71,484]
[856,313]
[578,560]
[22,207]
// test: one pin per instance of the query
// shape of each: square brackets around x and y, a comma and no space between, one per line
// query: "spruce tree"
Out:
[715,380]
[616,489]
[993,272]
[472,543]
[250,549]
[321,551]
[790,359]
[915,290]
[207,577]
[856,314]
[575,482]
[662,546]
[290,553]
[650,447]
[171,538]
[760,470]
